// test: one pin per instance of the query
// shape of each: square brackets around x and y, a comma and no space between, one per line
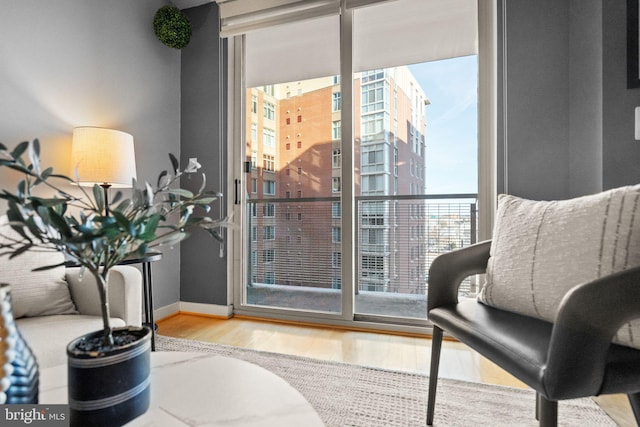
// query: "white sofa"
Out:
[52,307]
[48,335]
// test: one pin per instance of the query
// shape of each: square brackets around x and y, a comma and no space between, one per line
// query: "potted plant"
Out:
[81,228]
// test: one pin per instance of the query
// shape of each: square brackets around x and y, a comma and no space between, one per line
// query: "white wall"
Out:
[68,63]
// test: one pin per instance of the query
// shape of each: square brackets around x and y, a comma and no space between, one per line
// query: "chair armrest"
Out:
[450,269]
[589,316]
[125,293]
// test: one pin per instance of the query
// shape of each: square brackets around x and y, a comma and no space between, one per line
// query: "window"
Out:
[254,159]
[254,258]
[268,255]
[374,96]
[335,210]
[268,162]
[254,132]
[254,233]
[335,184]
[269,232]
[337,101]
[335,161]
[299,194]
[269,111]
[269,278]
[336,130]
[299,119]
[254,185]
[336,259]
[254,103]
[269,90]
[269,187]
[269,210]
[269,137]
[386,119]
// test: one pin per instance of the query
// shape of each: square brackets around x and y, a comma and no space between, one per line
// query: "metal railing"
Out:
[296,242]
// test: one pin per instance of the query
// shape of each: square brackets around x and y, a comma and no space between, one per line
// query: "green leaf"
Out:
[21,250]
[205,200]
[20,149]
[34,156]
[116,198]
[98,195]
[124,205]
[148,193]
[121,219]
[22,189]
[160,181]
[174,163]
[48,267]
[59,223]
[181,192]
[150,228]
[203,185]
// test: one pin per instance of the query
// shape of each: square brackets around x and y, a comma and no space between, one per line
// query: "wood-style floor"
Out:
[405,353]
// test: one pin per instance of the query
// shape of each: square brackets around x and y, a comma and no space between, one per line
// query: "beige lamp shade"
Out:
[102,156]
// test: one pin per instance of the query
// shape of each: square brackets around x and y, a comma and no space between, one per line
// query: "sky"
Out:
[452,130]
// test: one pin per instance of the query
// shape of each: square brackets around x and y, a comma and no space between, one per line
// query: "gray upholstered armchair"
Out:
[569,356]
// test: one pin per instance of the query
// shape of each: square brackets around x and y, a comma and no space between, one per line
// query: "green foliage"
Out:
[79,227]
[172,27]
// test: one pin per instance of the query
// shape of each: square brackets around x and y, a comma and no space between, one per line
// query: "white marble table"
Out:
[196,389]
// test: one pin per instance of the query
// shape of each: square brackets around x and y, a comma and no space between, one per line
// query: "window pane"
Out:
[299,237]
[397,241]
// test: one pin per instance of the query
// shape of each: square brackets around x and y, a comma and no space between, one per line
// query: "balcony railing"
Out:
[296,250]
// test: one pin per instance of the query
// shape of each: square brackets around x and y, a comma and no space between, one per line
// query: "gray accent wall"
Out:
[73,63]
[569,116]
[621,152]
[203,274]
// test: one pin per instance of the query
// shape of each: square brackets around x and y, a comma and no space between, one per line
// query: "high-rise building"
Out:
[294,145]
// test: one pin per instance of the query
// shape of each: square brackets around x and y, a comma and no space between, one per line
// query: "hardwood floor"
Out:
[405,353]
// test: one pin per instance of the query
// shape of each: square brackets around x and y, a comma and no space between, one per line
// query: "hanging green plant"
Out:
[172,27]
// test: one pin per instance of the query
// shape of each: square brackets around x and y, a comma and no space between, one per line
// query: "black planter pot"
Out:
[109,388]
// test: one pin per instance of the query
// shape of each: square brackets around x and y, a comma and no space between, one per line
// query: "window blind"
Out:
[413,31]
[293,40]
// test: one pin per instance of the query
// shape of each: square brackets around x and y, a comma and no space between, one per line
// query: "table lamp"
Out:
[103,156]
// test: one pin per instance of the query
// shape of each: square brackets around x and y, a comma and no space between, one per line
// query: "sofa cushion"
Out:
[48,336]
[35,293]
[541,249]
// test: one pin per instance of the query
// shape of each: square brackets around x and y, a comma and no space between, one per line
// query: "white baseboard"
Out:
[193,307]
[166,311]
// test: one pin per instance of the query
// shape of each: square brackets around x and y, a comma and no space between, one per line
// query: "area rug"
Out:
[353,395]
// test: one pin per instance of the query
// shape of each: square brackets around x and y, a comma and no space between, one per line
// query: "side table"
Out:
[147,289]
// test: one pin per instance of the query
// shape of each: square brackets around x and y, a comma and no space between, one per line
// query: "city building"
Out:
[294,147]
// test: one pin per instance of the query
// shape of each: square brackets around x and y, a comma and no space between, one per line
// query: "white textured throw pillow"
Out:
[541,249]
[35,293]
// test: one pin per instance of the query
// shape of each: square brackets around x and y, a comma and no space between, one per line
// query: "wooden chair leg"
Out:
[436,345]
[634,400]
[547,412]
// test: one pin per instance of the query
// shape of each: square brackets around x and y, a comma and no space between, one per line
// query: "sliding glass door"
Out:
[350,187]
